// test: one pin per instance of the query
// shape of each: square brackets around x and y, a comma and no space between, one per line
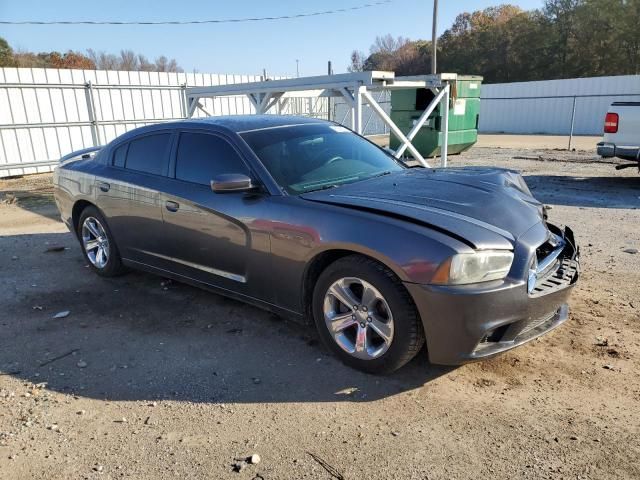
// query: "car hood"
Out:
[486,208]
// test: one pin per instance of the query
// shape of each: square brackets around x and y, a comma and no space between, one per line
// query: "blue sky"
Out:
[244,48]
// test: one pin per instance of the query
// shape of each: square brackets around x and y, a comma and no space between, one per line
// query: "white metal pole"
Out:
[445,126]
[354,127]
[192,106]
[185,103]
[329,72]
[91,108]
[358,91]
[573,118]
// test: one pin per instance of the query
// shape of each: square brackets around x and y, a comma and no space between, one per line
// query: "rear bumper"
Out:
[473,322]
[626,152]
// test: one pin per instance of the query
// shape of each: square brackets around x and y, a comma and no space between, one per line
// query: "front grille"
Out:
[556,264]
[544,250]
[559,277]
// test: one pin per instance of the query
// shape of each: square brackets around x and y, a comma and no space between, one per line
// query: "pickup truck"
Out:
[622,133]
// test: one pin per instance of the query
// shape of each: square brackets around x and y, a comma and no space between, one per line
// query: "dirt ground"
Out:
[579,142]
[145,379]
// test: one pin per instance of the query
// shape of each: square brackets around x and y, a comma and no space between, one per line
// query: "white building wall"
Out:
[521,107]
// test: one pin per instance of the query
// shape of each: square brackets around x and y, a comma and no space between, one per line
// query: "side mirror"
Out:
[232,182]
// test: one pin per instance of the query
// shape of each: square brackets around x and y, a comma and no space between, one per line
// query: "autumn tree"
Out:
[126,60]
[565,38]
[6,54]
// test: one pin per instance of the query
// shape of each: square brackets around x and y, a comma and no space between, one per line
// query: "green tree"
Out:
[6,54]
[607,37]
[563,17]
[566,38]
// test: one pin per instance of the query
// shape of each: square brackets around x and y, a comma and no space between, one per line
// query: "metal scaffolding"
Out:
[355,88]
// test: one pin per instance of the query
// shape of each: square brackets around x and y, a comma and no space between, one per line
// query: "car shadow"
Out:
[599,192]
[139,337]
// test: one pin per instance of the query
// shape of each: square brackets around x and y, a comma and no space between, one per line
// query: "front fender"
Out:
[412,252]
[301,232]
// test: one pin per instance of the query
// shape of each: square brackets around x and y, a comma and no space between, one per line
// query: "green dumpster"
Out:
[407,106]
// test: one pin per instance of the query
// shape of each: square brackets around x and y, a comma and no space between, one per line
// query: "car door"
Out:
[212,237]
[128,193]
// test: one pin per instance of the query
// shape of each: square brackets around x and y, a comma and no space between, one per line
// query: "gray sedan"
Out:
[309,220]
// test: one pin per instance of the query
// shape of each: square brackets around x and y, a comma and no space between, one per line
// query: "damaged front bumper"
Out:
[472,322]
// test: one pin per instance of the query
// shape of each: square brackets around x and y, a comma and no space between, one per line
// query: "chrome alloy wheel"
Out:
[95,242]
[358,318]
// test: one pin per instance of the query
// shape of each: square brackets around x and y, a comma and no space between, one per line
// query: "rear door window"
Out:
[201,157]
[149,154]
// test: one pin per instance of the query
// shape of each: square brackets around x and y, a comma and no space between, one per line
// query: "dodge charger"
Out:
[309,220]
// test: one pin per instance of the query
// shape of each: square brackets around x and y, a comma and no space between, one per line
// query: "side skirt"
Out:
[283,312]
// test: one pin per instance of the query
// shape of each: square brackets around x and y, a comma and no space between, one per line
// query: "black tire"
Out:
[408,333]
[113,265]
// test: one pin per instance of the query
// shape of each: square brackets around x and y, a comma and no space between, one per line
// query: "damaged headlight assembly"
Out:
[477,267]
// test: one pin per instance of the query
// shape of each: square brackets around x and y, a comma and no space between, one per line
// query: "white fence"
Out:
[47,113]
[548,106]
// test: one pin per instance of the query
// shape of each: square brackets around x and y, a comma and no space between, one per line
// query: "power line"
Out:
[198,22]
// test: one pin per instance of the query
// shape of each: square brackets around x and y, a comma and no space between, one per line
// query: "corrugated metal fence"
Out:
[372,124]
[547,107]
[47,113]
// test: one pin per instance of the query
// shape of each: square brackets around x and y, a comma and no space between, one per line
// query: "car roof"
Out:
[232,123]
[243,123]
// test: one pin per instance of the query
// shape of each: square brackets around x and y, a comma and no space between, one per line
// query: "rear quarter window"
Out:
[149,154]
[120,155]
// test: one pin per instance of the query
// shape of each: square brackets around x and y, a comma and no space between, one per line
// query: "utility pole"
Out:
[434,37]
[297,68]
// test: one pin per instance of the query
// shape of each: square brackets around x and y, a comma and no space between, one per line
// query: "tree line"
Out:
[92,60]
[564,39]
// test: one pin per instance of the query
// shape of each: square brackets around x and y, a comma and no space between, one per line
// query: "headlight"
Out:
[475,267]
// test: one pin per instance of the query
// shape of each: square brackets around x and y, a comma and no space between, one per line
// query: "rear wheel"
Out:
[98,245]
[365,315]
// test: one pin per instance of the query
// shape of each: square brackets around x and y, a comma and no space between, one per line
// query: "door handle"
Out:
[104,186]
[172,206]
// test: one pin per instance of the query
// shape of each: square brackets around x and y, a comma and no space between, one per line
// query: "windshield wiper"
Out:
[323,187]
[381,174]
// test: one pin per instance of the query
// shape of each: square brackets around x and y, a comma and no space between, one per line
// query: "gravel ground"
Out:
[148,379]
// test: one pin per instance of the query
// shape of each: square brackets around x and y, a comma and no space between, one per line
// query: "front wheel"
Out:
[365,315]
[98,245]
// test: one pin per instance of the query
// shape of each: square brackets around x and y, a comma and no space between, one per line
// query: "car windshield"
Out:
[302,158]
